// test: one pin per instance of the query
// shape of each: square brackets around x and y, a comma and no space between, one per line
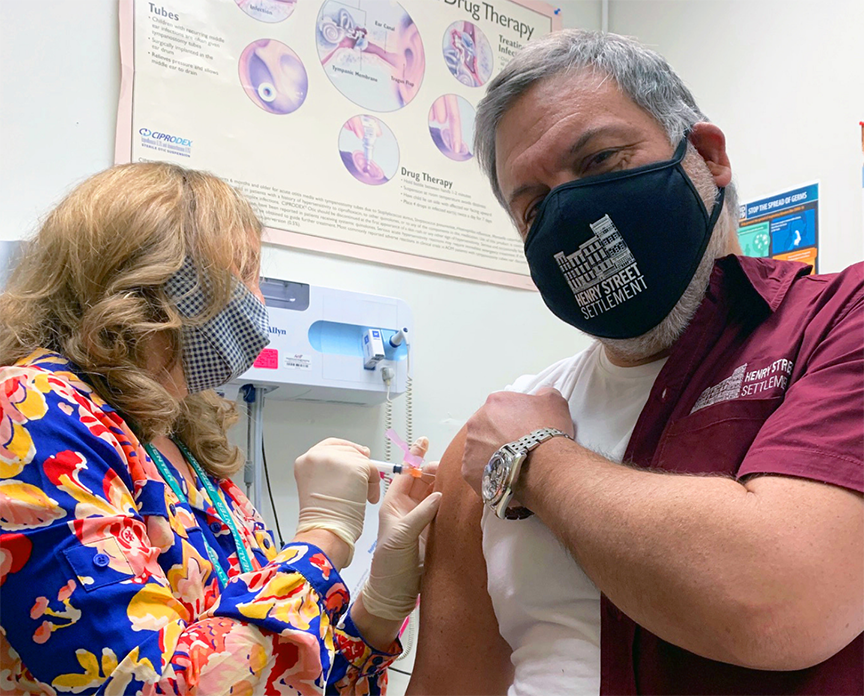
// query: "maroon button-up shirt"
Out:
[767,379]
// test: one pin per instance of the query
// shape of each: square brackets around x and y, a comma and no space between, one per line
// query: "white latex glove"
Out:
[409,506]
[334,480]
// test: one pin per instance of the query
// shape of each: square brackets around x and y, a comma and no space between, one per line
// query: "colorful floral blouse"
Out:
[106,582]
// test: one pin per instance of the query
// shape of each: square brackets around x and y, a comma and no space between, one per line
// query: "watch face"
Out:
[494,476]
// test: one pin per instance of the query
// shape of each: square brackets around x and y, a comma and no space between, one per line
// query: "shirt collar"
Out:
[769,278]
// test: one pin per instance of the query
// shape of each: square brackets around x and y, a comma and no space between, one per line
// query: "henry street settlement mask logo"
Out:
[602,272]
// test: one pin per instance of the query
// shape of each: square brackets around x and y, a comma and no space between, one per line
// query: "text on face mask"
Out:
[611,292]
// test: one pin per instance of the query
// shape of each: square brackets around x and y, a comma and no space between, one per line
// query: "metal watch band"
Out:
[531,440]
[523,445]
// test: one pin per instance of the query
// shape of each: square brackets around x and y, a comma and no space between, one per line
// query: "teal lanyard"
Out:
[218,503]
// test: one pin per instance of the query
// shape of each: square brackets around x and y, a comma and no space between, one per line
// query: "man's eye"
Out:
[600,158]
[531,212]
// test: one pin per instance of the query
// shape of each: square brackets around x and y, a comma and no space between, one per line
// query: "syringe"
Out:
[391,469]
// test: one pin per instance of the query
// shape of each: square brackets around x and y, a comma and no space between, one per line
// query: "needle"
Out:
[390,469]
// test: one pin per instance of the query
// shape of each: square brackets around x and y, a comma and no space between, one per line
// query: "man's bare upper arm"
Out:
[459,648]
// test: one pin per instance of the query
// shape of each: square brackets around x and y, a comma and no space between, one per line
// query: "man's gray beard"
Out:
[662,336]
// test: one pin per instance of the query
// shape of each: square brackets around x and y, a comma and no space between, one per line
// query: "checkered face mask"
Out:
[224,347]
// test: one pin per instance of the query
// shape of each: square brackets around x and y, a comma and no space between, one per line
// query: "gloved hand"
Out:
[334,480]
[409,506]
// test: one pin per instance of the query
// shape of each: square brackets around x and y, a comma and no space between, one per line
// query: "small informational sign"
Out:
[783,226]
[298,361]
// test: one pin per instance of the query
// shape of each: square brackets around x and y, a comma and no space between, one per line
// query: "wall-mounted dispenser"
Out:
[318,345]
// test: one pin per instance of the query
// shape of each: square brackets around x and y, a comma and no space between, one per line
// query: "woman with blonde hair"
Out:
[129,561]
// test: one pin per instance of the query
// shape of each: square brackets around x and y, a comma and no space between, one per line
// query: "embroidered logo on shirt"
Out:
[728,389]
[747,383]
[602,272]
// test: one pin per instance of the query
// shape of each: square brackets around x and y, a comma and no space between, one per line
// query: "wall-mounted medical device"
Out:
[331,345]
[325,345]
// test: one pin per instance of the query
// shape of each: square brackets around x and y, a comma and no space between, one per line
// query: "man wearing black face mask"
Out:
[605,564]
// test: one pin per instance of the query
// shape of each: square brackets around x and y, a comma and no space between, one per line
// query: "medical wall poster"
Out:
[349,124]
[783,226]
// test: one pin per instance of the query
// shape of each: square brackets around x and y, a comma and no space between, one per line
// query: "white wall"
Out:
[579,14]
[59,84]
[783,79]
[58,96]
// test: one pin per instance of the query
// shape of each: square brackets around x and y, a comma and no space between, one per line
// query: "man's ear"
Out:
[710,143]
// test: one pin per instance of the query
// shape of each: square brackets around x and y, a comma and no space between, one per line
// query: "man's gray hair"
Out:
[642,74]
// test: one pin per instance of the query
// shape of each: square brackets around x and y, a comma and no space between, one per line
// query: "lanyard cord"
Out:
[221,507]
[218,502]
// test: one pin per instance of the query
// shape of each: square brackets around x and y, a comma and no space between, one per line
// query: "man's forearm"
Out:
[703,562]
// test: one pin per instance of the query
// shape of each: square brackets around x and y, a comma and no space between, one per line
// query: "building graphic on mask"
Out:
[599,257]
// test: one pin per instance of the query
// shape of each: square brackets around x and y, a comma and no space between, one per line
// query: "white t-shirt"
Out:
[548,610]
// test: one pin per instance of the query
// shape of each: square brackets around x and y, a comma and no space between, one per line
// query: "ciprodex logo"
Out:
[164,137]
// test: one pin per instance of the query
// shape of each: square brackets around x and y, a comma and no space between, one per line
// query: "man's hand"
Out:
[505,417]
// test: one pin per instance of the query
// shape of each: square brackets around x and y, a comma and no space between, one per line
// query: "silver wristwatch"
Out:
[502,472]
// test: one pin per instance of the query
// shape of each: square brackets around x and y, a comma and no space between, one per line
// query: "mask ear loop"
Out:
[680,152]
[718,208]
[721,190]
[681,149]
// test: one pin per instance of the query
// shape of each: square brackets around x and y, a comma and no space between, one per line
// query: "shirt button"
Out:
[663,395]
[215,527]
[266,543]
[173,508]
[101,560]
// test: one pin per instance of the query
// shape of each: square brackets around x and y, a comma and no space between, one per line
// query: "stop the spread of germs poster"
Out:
[349,124]
[783,226]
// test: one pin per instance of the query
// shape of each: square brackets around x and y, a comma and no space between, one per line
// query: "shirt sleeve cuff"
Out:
[359,654]
[315,566]
[825,467]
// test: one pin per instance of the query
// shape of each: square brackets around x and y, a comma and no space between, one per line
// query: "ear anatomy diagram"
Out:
[273,76]
[369,150]
[467,54]
[371,52]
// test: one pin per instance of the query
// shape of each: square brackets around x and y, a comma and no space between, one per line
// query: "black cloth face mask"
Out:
[612,254]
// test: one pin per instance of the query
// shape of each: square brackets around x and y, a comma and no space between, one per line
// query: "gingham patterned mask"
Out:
[224,347]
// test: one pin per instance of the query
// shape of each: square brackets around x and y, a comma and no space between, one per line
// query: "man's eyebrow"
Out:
[584,139]
[520,191]
[589,135]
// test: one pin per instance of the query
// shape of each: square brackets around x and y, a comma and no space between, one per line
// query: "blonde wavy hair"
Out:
[90,285]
